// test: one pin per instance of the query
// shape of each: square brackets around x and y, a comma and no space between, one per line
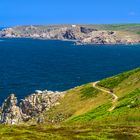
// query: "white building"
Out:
[73,26]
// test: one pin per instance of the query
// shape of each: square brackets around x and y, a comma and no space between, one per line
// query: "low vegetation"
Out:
[90,132]
[125,112]
[114,81]
[133,28]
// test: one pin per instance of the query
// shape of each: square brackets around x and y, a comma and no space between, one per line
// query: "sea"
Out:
[27,65]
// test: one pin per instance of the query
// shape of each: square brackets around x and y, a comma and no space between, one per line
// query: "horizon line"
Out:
[68,24]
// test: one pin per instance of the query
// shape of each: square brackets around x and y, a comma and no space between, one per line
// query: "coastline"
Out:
[69,40]
[79,34]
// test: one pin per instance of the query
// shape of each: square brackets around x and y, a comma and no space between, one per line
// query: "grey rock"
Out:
[69,34]
[10,112]
[30,107]
[87,30]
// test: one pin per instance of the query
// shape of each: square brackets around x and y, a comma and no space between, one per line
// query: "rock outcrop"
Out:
[87,30]
[39,102]
[69,34]
[100,37]
[10,112]
[28,108]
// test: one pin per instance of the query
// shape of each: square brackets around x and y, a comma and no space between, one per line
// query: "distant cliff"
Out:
[81,34]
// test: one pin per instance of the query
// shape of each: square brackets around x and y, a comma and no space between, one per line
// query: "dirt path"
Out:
[115,97]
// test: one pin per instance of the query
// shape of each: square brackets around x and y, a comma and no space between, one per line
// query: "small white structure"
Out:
[73,26]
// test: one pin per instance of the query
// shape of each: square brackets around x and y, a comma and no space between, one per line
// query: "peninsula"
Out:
[82,34]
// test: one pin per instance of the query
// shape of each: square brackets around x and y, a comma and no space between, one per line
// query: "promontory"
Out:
[82,34]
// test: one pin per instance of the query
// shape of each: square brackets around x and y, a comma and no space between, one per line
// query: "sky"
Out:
[38,12]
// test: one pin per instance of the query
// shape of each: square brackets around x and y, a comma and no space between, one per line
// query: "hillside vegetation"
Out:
[134,28]
[89,112]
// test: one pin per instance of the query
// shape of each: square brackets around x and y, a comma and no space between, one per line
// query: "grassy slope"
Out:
[135,28]
[123,30]
[132,29]
[77,101]
[127,87]
[84,113]
[117,27]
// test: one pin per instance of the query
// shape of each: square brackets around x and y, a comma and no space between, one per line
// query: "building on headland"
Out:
[73,25]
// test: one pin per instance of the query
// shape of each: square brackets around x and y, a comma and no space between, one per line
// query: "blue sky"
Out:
[25,12]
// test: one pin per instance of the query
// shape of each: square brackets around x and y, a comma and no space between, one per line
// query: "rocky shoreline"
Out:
[28,108]
[81,35]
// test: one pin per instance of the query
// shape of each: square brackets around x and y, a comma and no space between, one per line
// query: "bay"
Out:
[27,65]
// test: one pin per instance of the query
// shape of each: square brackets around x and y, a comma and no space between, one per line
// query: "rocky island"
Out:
[82,34]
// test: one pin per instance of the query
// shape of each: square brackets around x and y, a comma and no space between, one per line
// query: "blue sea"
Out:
[1,28]
[27,65]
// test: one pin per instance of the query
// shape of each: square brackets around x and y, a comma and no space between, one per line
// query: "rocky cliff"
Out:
[81,34]
[28,108]
[10,112]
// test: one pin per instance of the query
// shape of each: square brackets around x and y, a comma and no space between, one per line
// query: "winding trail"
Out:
[115,97]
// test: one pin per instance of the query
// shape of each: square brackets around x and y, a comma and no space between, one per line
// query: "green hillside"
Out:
[108,109]
[135,28]
[127,28]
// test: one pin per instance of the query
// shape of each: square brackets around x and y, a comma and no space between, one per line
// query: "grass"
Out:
[117,27]
[92,115]
[130,28]
[114,81]
[126,111]
[134,28]
[90,132]
[76,101]
[131,100]
[88,91]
